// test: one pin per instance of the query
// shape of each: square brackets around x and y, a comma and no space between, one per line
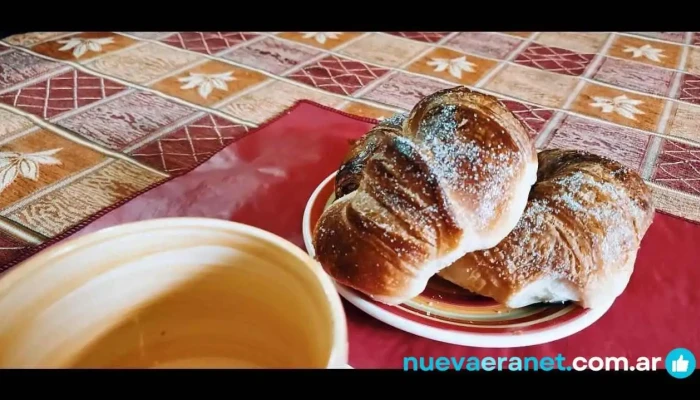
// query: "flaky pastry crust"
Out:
[577,240]
[419,191]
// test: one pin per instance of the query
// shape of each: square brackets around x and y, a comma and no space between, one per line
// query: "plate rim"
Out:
[467,339]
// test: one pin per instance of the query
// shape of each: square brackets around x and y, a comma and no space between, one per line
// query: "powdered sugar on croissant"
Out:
[419,191]
[577,240]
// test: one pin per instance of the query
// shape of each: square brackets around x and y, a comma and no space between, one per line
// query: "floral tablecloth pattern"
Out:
[89,120]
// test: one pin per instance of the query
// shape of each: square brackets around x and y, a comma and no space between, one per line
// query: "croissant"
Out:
[422,189]
[576,241]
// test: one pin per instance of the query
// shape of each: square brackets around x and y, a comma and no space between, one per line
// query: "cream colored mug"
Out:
[171,293]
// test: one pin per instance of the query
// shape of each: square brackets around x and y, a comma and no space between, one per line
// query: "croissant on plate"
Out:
[576,241]
[420,190]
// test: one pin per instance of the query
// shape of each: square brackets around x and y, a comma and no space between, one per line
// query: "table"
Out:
[98,126]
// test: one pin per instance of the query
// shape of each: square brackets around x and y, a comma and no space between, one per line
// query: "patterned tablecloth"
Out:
[90,120]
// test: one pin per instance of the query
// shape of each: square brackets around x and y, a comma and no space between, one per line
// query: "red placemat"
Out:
[266,178]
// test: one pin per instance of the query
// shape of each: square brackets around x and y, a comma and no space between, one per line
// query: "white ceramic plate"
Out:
[446,313]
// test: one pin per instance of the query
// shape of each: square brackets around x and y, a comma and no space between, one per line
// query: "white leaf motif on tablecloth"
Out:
[206,83]
[321,37]
[647,51]
[455,66]
[13,164]
[80,46]
[621,105]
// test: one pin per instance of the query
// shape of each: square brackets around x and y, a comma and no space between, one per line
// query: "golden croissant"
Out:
[421,190]
[576,241]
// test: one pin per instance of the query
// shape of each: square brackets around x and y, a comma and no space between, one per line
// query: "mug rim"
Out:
[339,351]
